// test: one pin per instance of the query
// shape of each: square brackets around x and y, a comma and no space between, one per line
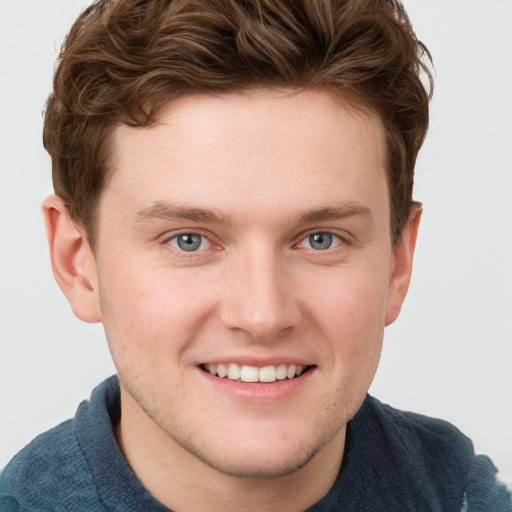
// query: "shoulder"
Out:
[29,482]
[56,471]
[441,457]
[433,438]
[52,450]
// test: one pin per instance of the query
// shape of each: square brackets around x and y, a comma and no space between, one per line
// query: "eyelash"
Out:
[169,239]
[341,241]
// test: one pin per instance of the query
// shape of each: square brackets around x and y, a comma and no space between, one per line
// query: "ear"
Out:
[73,262]
[402,266]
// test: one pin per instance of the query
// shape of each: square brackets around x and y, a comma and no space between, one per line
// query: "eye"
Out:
[189,242]
[321,241]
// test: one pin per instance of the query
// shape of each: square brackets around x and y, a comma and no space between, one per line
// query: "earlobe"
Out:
[402,266]
[73,262]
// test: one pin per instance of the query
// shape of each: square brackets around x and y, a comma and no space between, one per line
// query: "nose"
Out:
[259,298]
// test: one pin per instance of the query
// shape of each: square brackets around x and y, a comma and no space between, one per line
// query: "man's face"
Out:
[246,232]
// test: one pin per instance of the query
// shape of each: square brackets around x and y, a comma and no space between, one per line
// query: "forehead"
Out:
[258,116]
[250,150]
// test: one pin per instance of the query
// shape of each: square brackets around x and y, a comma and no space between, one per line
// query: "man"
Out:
[234,202]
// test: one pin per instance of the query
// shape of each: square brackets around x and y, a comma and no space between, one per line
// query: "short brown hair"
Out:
[123,60]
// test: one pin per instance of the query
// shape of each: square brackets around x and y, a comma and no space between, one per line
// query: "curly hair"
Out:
[123,61]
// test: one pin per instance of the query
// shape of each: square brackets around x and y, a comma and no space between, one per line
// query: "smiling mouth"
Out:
[265,374]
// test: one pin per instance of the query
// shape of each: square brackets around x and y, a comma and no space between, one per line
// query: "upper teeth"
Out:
[246,373]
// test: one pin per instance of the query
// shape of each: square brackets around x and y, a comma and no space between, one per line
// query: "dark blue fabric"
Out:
[393,461]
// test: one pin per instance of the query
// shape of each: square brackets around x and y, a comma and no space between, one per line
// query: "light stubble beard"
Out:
[329,427]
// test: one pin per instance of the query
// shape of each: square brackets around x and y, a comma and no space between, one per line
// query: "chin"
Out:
[270,452]
[247,464]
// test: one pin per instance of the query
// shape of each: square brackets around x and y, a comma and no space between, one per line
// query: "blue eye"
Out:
[321,241]
[189,242]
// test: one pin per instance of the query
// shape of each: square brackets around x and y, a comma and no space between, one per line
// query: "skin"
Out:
[270,169]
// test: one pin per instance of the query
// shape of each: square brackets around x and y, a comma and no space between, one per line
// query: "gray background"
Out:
[450,353]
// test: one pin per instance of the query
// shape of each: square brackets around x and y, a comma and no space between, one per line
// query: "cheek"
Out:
[352,300]
[351,315]
[150,311]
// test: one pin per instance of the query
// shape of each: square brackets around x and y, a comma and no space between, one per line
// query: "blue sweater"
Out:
[393,461]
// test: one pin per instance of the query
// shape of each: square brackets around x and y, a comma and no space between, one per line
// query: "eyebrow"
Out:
[351,209]
[164,210]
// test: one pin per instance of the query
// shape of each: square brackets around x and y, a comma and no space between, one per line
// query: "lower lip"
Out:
[257,391]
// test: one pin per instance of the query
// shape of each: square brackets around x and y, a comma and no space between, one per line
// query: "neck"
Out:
[182,482]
